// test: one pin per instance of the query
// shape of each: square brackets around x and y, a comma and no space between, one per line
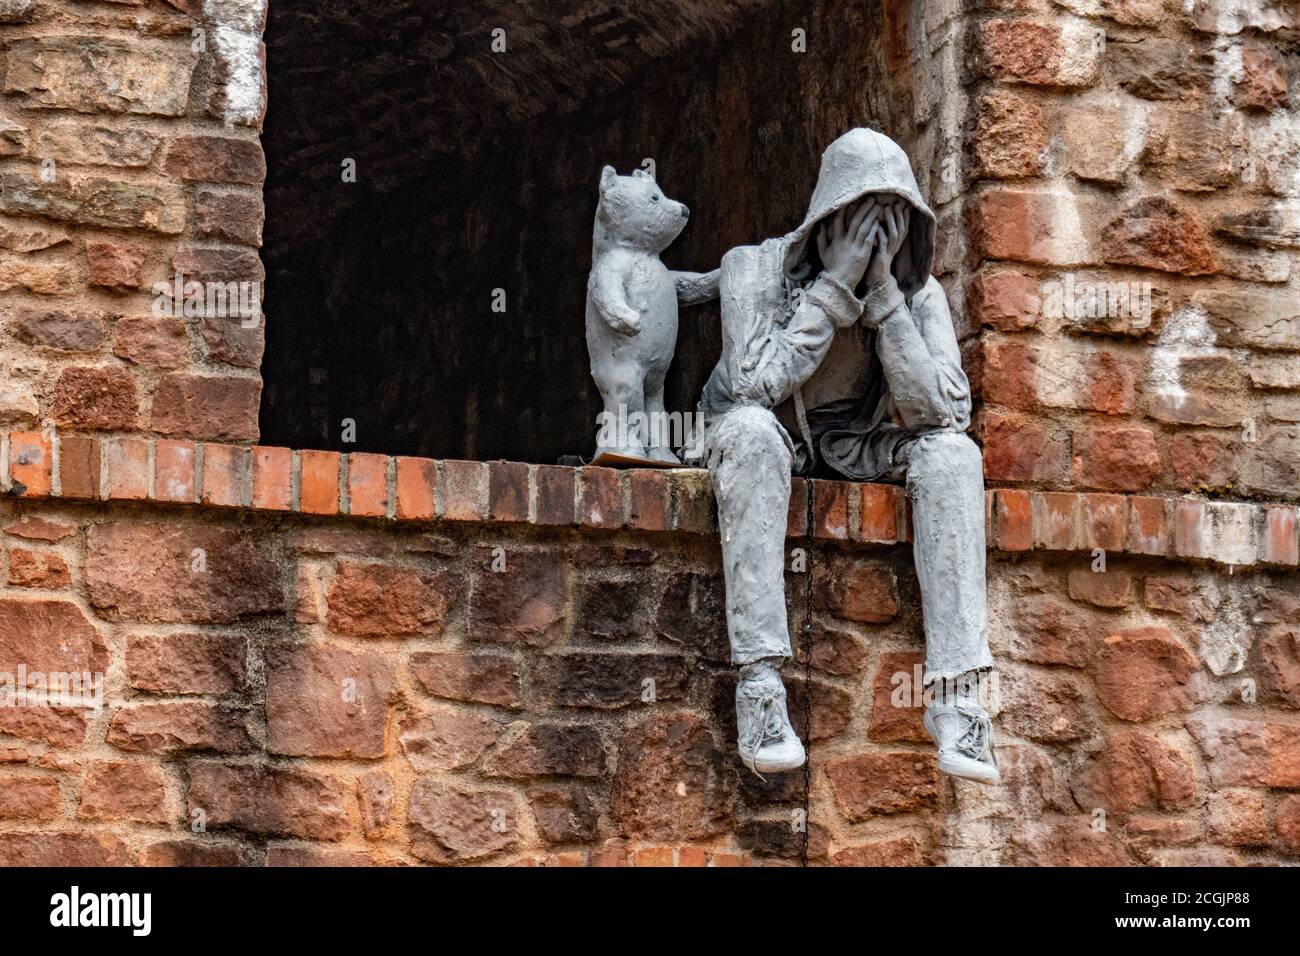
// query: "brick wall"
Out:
[365,659]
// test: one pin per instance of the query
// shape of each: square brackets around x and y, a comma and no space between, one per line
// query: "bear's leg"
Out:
[622,423]
[659,431]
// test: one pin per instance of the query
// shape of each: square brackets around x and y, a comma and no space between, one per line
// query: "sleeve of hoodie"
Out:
[922,363]
[779,360]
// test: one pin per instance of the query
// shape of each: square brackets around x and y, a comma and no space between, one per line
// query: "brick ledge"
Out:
[400,488]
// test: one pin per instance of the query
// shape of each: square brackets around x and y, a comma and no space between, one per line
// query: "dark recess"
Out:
[478,171]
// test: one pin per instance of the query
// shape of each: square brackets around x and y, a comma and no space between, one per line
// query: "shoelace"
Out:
[976,742]
[766,724]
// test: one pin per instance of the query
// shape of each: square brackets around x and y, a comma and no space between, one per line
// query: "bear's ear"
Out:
[607,177]
[640,173]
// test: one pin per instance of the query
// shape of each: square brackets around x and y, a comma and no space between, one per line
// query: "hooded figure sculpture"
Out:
[839,354]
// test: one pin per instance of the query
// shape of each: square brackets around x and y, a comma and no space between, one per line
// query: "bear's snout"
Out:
[686,213]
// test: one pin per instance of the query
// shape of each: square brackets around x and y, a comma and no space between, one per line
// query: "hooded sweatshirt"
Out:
[881,365]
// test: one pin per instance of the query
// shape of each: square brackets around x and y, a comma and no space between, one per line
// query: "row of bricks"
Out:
[421,489]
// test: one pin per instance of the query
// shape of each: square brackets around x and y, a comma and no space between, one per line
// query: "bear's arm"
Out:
[610,299]
[696,287]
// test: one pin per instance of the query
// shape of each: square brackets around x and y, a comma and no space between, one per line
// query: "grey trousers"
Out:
[749,460]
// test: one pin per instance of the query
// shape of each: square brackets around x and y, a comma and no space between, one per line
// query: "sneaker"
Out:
[767,742]
[963,732]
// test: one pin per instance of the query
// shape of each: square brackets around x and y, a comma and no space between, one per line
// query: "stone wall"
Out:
[311,657]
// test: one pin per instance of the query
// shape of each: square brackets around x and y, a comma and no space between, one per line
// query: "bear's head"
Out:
[633,211]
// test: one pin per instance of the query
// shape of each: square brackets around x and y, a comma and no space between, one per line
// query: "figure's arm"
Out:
[610,299]
[919,353]
[792,354]
[696,287]
[789,356]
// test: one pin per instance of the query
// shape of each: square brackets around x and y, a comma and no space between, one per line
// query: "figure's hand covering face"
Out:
[886,239]
[844,240]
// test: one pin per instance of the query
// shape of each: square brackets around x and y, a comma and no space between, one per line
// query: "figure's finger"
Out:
[837,225]
[863,235]
[860,212]
[823,242]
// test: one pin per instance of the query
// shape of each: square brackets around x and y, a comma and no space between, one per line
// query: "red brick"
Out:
[207,407]
[1004,300]
[367,485]
[653,856]
[115,265]
[797,520]
[556,491]
[869,784]
[694,508]
[1280,545]
[30,798]
[122,790]
[600,504]
[1008,138]
[830,509]
[1263,83]
[1115,459]
[63,849]
[508,491]
[1189,522]
[230,217]
[1104,521]
[1154,233]
[216,159]
[279,801]
[38,569]
[179,725]
[878,510]
[475,678]
[1111,589]
[1148,532]
[318,490]
[126,467]
[1144,672]
[464,490]
[186,663]
[174,470]
[1036,226]
[1015,520]
[30,463]
[96,399]
[1056,520]
[162,343]
[1020,449]
[35,528]
[307,712]
[79,466]
[1009,372]
[225,476]
[691,856]
[417,482]
[1041,54]
[376,600]
[648,500]
[896,708]
[272,478]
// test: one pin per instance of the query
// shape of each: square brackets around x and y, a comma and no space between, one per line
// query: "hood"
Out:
[859,162]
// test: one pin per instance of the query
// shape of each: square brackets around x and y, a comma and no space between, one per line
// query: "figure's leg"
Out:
[621,389]
[945,482]
[749,461]
[658,443]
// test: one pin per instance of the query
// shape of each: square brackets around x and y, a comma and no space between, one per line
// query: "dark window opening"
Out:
[478,171]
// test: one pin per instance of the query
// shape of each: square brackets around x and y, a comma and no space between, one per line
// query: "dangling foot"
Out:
[963,732]
[767,742]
